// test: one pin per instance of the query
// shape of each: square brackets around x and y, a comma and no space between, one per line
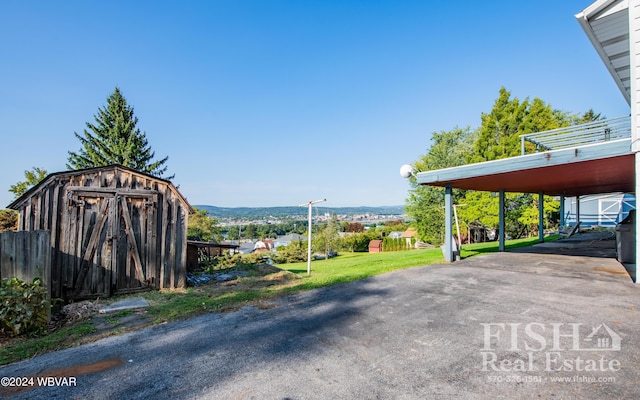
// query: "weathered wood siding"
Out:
[26,256]
[113,230]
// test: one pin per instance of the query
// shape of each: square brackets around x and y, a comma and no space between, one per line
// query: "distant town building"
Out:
[287,239]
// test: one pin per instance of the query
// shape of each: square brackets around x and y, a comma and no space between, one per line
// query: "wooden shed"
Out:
[113,230]
[198,251]
[375,246]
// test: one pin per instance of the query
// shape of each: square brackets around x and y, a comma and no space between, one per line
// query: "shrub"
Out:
[295,251]
[8,220]
[395,244]
[252,259]
[24,306]
[235,261]
[222,262]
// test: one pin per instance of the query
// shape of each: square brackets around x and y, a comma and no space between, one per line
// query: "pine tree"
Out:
[114,139]
[509,118]
[500,129]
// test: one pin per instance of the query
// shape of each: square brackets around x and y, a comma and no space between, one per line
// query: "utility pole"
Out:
[311,203]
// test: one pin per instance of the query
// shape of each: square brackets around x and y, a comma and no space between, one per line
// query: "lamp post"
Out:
[311,203]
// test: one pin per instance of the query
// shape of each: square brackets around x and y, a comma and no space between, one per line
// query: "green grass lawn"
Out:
[351,266]
[254,289]
[469,250]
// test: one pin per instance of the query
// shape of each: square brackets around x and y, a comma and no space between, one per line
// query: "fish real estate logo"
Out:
[551,347]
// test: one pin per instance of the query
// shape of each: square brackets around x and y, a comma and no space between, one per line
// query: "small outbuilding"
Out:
[199,251]
[375,246]
[113,230]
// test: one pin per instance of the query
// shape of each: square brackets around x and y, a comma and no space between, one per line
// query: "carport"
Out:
[594,158]
[604,165]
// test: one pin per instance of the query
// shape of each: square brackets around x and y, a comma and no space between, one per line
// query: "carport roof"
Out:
[598,168]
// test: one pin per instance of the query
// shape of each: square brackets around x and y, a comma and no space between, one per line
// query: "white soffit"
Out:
[606,23]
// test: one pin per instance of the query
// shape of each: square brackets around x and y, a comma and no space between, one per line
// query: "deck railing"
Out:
[579,135]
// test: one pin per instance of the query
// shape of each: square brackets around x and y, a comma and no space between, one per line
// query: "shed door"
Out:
[111,236]
[135,262]
[87,247]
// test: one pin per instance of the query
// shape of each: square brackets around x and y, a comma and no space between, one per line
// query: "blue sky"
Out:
[273,103]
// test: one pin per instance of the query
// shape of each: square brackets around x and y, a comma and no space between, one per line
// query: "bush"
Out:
[8,220]
[395,244]
[235,261]
[250,260]
[295,251]
[24,306]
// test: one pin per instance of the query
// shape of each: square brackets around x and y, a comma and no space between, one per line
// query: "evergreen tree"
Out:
[500,138]
[589,116]
[509,118]
[115,139]
[328,238]
[500,129]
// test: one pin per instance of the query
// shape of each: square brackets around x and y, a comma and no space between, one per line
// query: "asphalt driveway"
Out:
[503,325]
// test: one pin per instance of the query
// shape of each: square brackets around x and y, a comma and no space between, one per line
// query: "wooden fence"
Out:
[26,255]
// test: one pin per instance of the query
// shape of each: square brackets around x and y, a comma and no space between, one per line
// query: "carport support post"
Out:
[635,223]
[541,217]
[634,37]
[501,220]
[448,223]
[561,212]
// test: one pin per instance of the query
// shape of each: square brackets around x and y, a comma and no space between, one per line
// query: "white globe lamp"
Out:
[406,171]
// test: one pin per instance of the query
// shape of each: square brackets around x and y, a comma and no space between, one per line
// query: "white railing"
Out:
[579,135]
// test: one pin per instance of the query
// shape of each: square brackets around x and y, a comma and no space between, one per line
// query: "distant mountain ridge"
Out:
[292,211]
